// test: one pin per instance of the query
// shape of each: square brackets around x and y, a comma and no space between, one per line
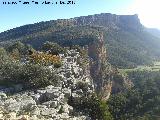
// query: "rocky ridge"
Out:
[51,102]
[107,20]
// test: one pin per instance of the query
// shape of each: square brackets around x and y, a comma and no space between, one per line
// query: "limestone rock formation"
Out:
[49,103]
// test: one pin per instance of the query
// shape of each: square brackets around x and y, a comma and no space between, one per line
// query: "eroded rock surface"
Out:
[49,103]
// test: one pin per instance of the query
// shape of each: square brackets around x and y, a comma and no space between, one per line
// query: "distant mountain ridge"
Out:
[111,21]
[127,41]
[154,31]
[104,19]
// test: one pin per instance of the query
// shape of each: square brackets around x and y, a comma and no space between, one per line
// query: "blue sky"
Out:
[12,16]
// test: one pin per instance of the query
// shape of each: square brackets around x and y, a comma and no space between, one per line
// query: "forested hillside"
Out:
[142,102]
[128,42]
[129,49]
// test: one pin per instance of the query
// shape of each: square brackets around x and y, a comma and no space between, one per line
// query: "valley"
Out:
[95,67]
[154,67]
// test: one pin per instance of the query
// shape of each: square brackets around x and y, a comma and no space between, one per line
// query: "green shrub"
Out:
[36,76]
[82,85]
[30,75]
[93,106]
[58,64]
[53,48]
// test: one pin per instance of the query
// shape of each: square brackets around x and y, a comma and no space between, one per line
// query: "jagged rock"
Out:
[67,83]
[62,98]
[2,96]
[75,96]
[13,107]
[53,87]
[1,115]
[79,92]
[35,111]
[64,116]
[48,112]
[41,91]
[41,106]
[40,96]
[10,101]
[69,59]
[37,97]
[90,87]
[23,117]
[1,103]
[45,103]
[34,117]
[12,115]
[67,92]
[68,74]
[52,93]
[67,109]
[27,102]
[51,104]
[23,102]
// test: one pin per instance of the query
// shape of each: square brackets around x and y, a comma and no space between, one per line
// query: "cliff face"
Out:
[130,22]
[106,79]
[97,52]
[108,20]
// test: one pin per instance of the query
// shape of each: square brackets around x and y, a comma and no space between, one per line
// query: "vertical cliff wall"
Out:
[99,69]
